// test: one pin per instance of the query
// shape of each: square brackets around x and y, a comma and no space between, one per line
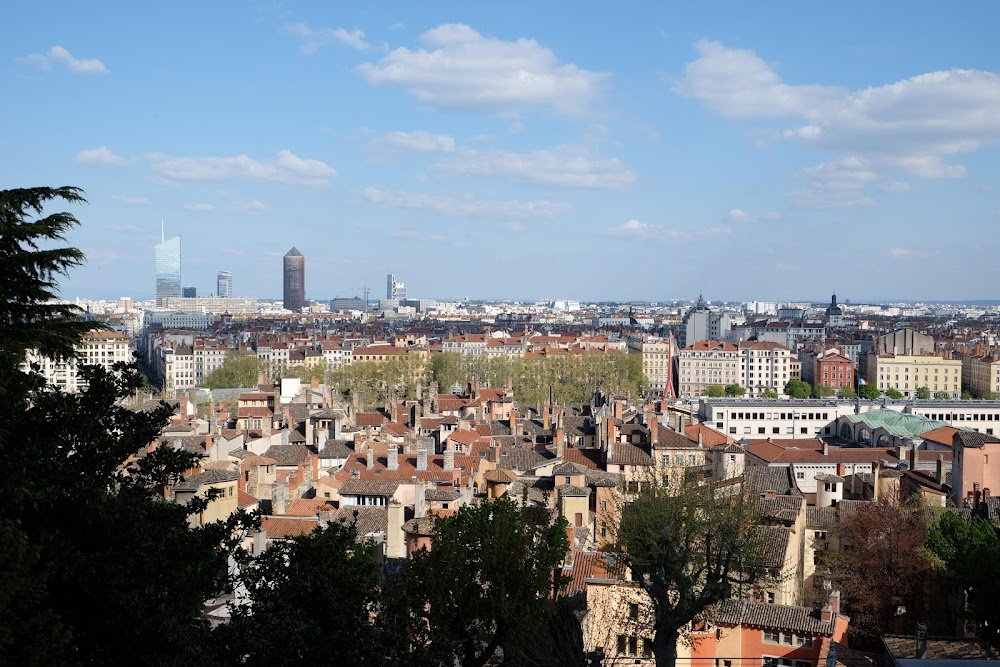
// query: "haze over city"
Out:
[519,150]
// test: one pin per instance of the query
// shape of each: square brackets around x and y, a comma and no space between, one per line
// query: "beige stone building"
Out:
[981,375]
[706,363]
[907,373]
[766,366]
[98,348]
[200,485]
[657,361]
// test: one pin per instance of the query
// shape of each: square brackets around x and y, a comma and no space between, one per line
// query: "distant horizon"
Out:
[659,302]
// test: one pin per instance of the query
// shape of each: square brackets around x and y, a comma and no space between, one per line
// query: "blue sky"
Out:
[632,150]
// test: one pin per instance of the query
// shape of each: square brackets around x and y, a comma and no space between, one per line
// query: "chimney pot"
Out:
[449,460]
[392,458]
[422,459]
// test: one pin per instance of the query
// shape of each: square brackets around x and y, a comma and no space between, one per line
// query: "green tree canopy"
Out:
[486,586]
[97,569]
[942,395]
[869,391]
[823,391]
[893,393]
[734,390]
[969,547]
[770,393]
[846,392]
[240,369]
[309,600]
[966,395]
[922,393]
[715,391]
[798,389]
[574,377]
[30,268]
[687,551]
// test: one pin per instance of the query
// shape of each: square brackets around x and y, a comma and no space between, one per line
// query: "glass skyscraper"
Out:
[295,280]
[167,262]
[225,284]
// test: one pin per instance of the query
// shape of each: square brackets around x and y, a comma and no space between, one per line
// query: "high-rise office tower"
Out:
[225,285]
[167,264]
[295,280]
[393,288]
[189,292]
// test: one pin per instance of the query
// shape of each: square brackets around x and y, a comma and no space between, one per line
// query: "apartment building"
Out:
[208,356]
[707,363]
[981,375]
[98,348]
[906,373]
[765,366]
[757,366]
[657,362]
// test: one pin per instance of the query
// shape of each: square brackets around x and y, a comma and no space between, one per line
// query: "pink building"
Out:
[976,465]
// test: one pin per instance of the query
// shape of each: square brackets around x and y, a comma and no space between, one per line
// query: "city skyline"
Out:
[779,154]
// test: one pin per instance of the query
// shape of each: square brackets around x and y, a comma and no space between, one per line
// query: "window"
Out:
[771,636]
[770,597]
[799,474]
[633,611]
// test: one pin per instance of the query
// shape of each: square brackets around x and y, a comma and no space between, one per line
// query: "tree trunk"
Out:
[665,647]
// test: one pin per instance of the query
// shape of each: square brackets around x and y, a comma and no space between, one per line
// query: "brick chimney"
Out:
[546,418]
[449,460]
[392,458]
[513,421]
[826,448]
[370,458]
[834,602]
[940,469]
[913,458]
[422,459]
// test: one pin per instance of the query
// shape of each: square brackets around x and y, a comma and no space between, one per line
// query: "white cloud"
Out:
[287,168]
[462,69]
[644,231]
[314,39]
[740,216]
[465,205]
[915,125]
[201,208]
[57,55]
[125,199]
[418,142]
[353,38]
[563,166]
[899,253]
[102,155]
[738,84]
[839,183]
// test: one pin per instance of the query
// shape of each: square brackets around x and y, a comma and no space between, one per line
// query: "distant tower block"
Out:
[167,265]
[394,289]
[295,280]
[224,285]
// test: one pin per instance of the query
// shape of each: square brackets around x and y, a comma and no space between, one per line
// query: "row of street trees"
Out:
[574,377]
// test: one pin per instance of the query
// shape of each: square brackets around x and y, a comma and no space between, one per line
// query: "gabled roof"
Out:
[628,454]
[206,478]
[973,439]
[804,620]
[288,455]
[368,487]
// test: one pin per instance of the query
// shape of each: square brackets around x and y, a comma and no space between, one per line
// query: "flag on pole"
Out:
[861,381]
